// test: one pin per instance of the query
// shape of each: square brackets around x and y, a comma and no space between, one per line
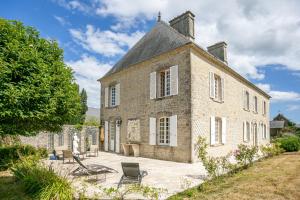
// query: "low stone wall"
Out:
[63,140]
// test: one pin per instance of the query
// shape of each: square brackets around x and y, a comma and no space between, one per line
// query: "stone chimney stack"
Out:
[184,24]
[219,50]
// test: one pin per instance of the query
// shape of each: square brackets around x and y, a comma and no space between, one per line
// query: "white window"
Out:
[247,131]
[112,96]
[264,131]
[264,107]
[247,100]
[165,83]
[218,130]
[164,130]
[61,139]
[218,87]
[255,104]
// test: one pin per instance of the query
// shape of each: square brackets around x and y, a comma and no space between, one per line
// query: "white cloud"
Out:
[107,43]
[62,20]
[257,32]
[279,96]
[293,107]
[75,5]
[87,71]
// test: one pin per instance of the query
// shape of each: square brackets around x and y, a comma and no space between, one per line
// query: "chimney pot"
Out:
[219,50]
[184,24]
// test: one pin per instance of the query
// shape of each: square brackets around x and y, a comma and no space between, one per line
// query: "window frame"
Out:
[248,131]
[165,82]
[255,104]
[112,92]
[264,107]
[218,131]
[164,131]
[247,100]
[218,87]
[61,139]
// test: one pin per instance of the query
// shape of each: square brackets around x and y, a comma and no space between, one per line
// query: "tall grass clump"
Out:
[40,181]
[11,154]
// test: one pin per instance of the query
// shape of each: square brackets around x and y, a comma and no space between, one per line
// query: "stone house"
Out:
[167,90]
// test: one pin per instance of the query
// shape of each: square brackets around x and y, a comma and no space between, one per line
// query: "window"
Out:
[51,141]
[255,104]
[112,96]
[61,139]
[264,107]
[218,129]
[247,100]
[247,132]
[165,83]
[264,131]
[218,87]
[164,130]
[94,138]
[112,130]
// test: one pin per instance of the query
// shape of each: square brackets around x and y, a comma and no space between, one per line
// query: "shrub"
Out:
[289,143]
[245,155]
[10,154]
[271,150]
[41,182]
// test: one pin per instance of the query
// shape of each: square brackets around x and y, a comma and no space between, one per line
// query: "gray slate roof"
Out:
[276,124]
[162,38]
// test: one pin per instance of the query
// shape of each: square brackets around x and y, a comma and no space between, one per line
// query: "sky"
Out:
[263,37]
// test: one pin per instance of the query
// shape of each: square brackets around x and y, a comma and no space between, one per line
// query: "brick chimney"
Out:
[184,24]
[219,50]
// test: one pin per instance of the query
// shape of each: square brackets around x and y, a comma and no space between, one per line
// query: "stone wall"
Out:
[42,139]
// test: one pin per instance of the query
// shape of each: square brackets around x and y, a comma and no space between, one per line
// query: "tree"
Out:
[37,89]
[84,107]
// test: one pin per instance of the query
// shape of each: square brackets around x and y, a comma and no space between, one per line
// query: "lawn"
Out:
[10,189]
[274,178]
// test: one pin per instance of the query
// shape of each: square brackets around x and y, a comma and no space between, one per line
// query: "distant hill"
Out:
[93,113]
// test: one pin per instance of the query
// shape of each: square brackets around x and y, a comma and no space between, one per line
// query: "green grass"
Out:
[10,189]
[273,178]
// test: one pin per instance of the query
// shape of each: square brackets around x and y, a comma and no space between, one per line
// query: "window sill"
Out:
[217,100]
[164,97]
[112,107]
[217,145]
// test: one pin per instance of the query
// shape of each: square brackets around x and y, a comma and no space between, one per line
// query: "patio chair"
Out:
[92,151]
[67,154]
[131,174]
[92,169]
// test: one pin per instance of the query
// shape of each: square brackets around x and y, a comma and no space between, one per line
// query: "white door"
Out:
[112,136]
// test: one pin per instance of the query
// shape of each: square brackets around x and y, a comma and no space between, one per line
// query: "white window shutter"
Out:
[211,85]
[222,88]
[174,80]
[152,131]
[106,136]
[118,94]
[224,128]
[173,131]
[212,130]
[153,85]
[106,95]
[245,131]
[117,138]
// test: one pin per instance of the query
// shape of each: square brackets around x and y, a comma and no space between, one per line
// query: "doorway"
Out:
[112,136]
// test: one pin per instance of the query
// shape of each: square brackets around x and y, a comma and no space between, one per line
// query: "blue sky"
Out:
[262,37]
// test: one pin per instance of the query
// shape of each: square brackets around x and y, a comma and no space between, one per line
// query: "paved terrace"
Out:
[173,176]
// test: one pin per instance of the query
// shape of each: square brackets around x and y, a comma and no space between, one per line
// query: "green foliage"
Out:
[289,143]
[245,155]
[83,102]
[120,193]
[92,121]
[11,154]
[215,166]
[37,89]
[271,150]
[41,182]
